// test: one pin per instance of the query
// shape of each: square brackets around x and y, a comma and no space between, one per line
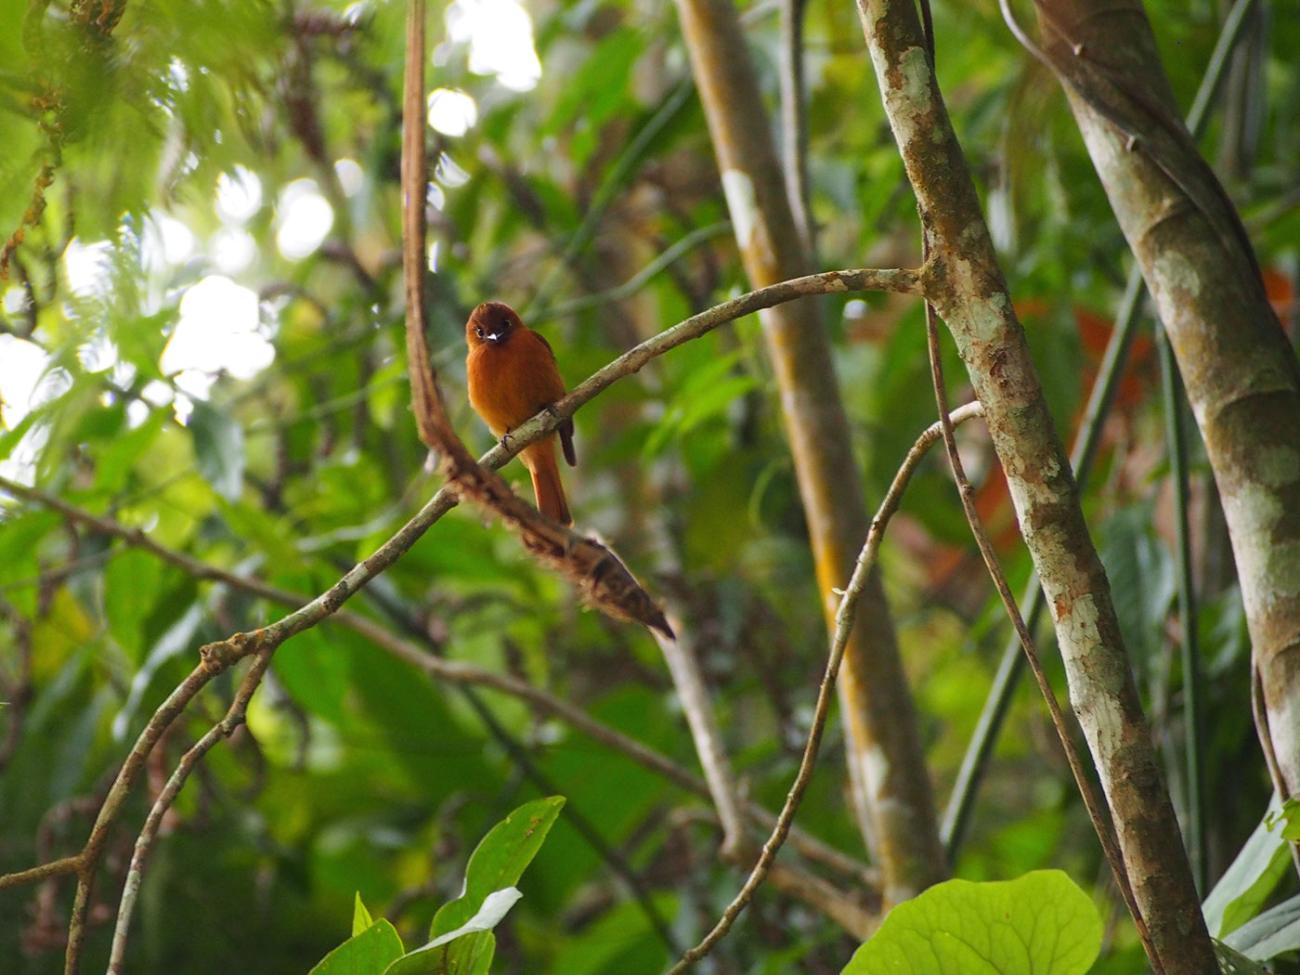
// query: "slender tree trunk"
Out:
[1238,369]
[966,284]
[885,757]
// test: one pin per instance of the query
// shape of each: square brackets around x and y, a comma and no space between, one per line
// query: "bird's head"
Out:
[492,323]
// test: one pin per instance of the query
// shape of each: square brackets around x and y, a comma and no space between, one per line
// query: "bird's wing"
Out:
[565,428]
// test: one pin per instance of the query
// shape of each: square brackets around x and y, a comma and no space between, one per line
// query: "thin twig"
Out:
[688,679]
[637,281]
[844,619]
[144,843]
[55,868]
[1092,802]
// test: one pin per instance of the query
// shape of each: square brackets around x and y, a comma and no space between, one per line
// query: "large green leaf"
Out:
[1038,924]
[1271,933]
[461,939]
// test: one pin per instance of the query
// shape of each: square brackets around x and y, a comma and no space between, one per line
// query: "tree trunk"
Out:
[966,284]
[885,758]
[1238,369]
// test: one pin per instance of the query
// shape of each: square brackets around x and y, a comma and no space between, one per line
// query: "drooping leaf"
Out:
[1244,886]
[1270,934]
[1233,962]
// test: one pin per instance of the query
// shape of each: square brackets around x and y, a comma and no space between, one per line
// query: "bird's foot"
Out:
[506,440]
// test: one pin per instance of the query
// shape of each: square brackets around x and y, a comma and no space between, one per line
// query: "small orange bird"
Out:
[512,376]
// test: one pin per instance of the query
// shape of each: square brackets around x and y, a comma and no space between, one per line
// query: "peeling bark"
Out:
[966,284]
[885,758]
[1238,369]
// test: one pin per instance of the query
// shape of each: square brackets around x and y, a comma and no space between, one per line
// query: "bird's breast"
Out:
[509,383]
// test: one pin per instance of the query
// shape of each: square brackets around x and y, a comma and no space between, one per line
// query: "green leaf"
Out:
[115,457]
[367,953]
[219,447]
[468,955]
[1038,924]
[499,860]
[1245,885]
[467,950]
[361,919]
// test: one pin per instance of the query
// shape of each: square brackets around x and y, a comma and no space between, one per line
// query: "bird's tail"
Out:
[547,485]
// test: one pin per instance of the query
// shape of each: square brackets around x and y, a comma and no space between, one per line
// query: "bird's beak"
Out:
[492,336]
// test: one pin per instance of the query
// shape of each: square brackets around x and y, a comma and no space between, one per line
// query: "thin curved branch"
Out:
[688,678]
[224,728]
[844,618]
[1095,806]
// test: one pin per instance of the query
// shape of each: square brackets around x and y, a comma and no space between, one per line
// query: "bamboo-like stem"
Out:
[891,786]
[794,122]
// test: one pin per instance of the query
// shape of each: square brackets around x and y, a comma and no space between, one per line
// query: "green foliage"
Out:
[499,861]
[1038,924]
[461,939]
[357,778]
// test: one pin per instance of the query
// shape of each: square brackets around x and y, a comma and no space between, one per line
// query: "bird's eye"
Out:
[478,330]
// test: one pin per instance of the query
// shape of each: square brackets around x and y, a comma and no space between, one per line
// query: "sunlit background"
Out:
[223,328]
